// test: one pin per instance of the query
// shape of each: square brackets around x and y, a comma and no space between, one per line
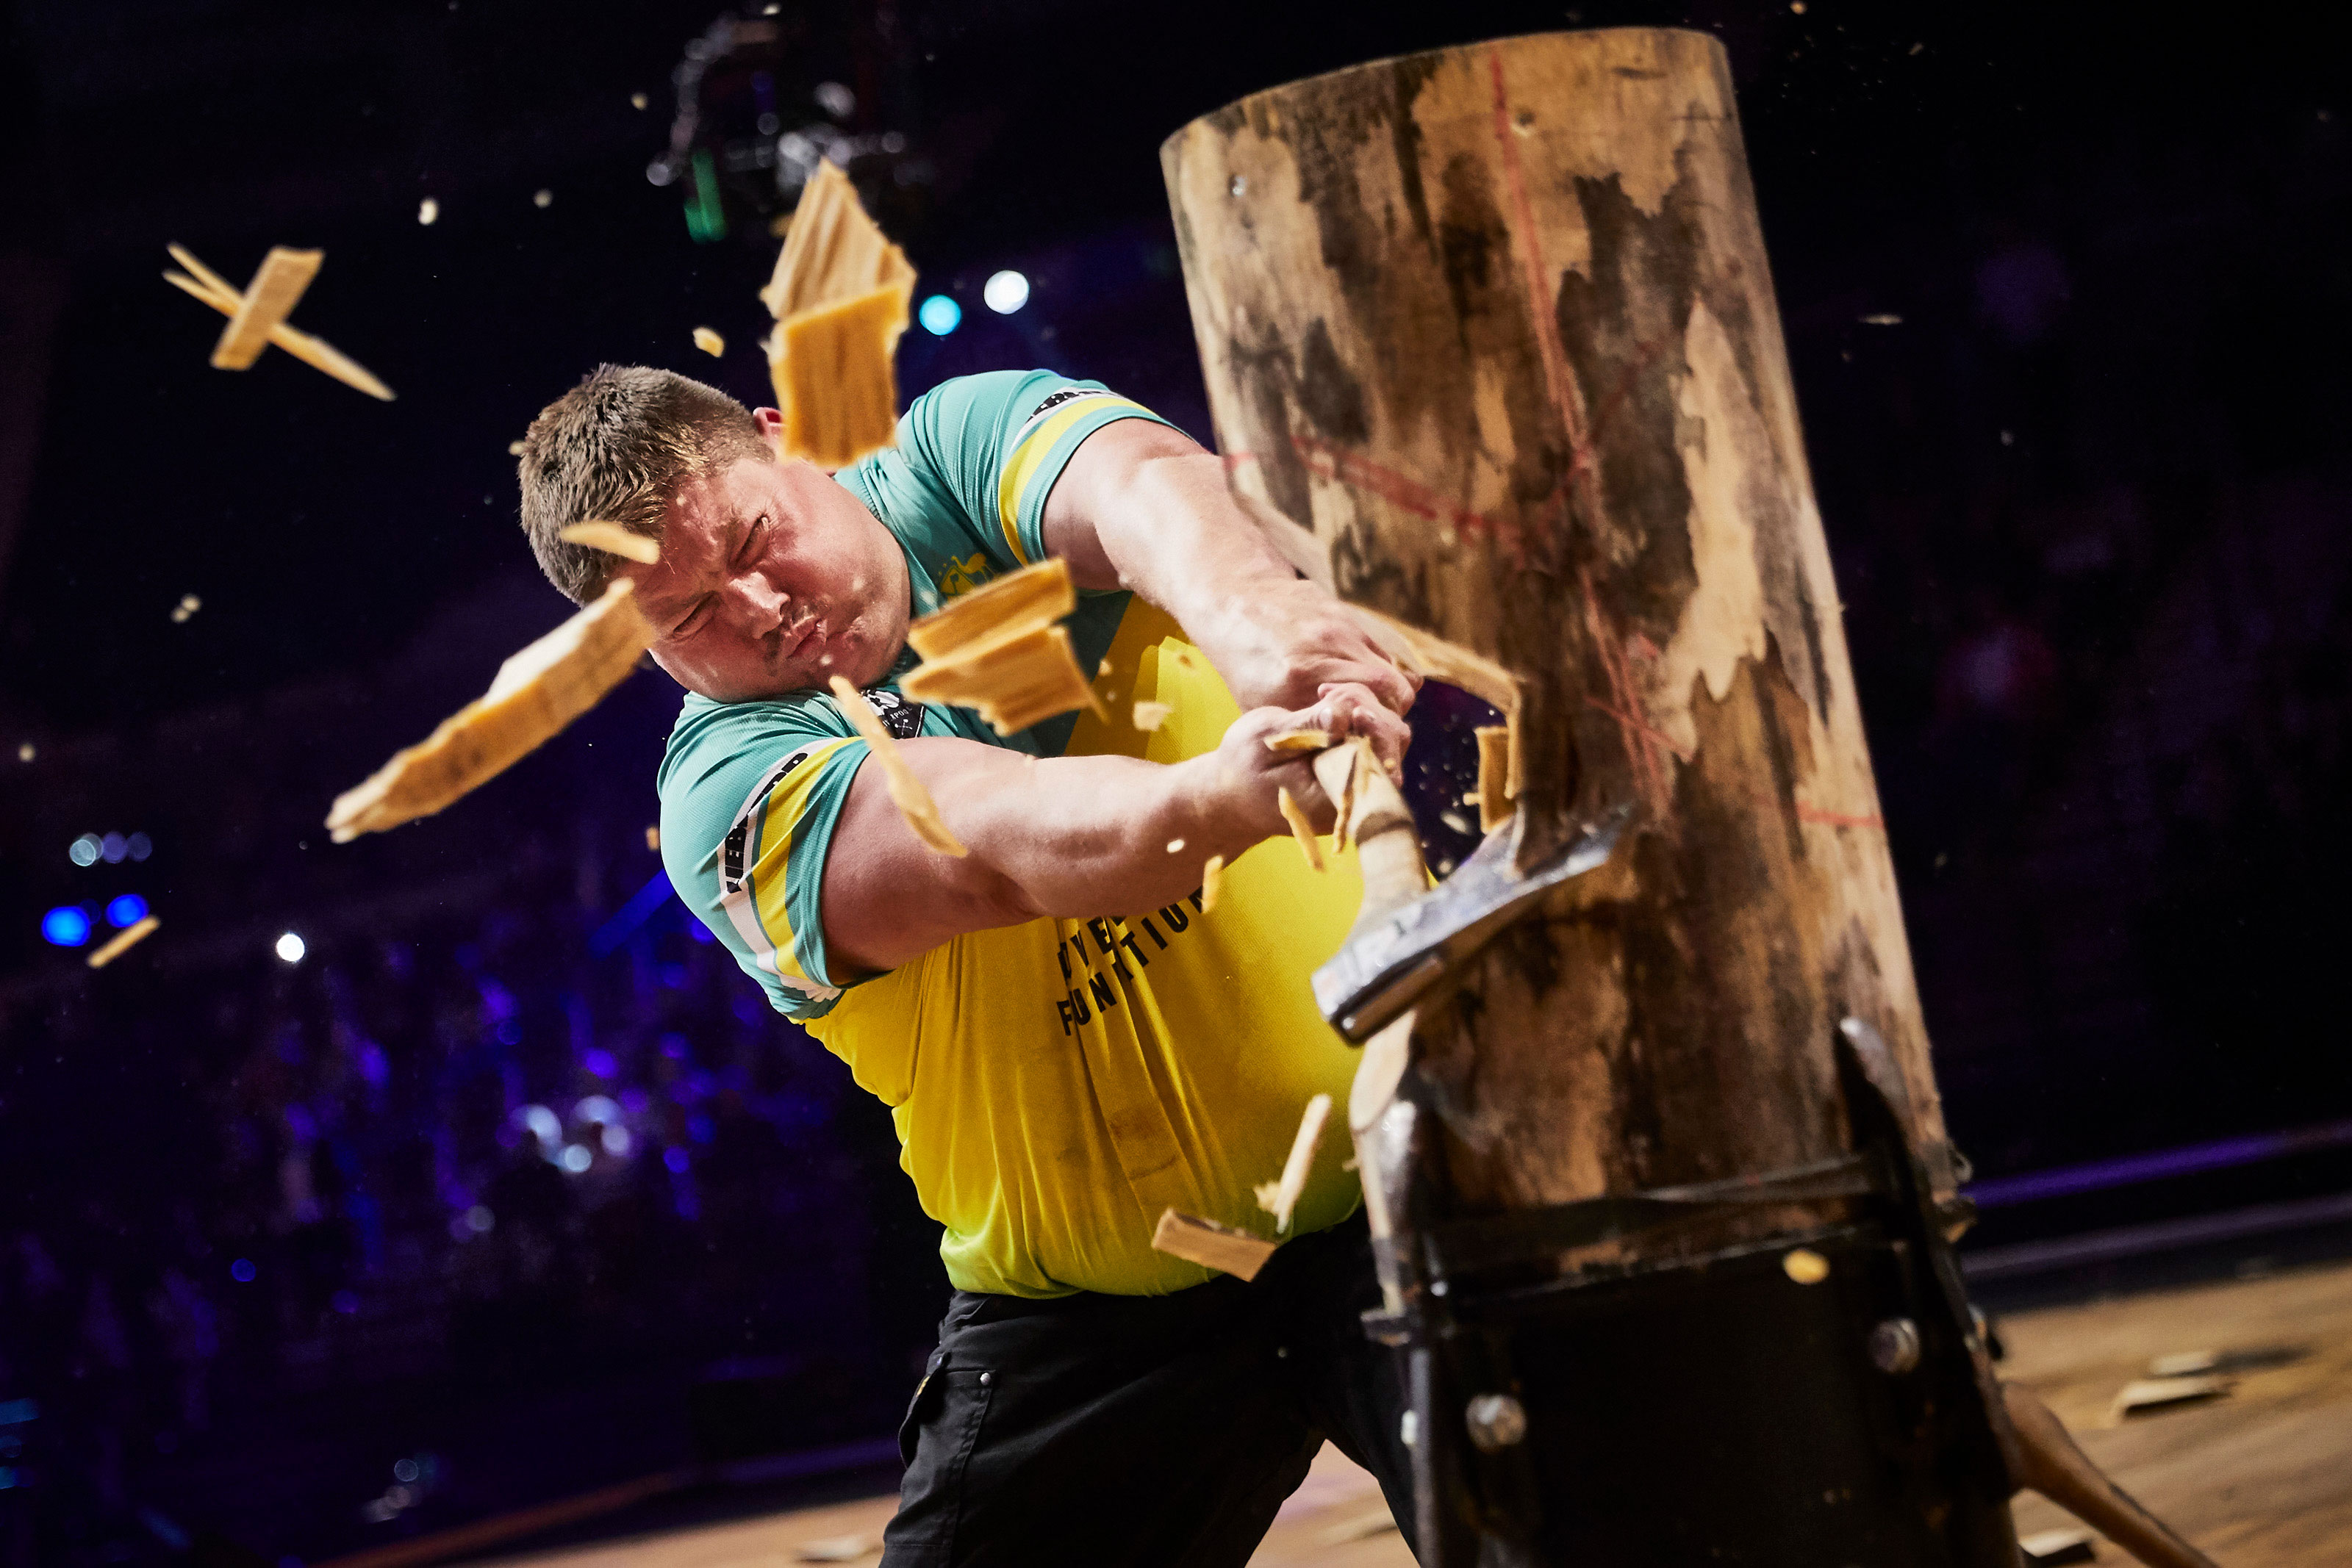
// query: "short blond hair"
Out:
[616,449]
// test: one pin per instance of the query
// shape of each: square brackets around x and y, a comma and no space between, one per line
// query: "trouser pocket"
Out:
[913,1424]
[943,1426]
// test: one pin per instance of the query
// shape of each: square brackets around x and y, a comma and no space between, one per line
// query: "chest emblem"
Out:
[958,578]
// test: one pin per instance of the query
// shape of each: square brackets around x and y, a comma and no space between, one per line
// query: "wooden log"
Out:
[1493,328]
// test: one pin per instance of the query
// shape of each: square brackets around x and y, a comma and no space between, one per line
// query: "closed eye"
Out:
[753,536]
[696,618]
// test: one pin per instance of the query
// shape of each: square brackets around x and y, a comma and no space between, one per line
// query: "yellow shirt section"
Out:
[1056,1084]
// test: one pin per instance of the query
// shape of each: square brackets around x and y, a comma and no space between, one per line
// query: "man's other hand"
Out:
[1141,507]
[1289,646]
[1249,773]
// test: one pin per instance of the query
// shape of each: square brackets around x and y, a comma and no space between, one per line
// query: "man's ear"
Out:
[770,422]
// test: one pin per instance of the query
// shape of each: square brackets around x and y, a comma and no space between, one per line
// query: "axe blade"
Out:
[1379,971]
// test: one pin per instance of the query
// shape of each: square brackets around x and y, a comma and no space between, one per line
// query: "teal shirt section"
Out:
[750,791]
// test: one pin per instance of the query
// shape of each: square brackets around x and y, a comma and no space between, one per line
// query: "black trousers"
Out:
[1119,1430]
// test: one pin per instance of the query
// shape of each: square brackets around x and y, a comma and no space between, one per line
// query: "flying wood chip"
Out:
[208,286]
[840,296]
[1279,1197]
[537,693]
[1151,715]
[1494,775]
[1300,740]
[122,943]
[710,343]
[1300,828]
[997,650]
[906,792]
[1019,601]
[1210,1245]
[1014,681]
[1211,876]
[268,299]
[613,539]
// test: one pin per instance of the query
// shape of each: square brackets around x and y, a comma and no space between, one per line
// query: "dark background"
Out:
[2067,291]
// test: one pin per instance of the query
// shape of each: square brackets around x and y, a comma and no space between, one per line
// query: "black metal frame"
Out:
[1706,1410]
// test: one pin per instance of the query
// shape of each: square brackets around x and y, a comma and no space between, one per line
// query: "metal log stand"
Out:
[1655,1160]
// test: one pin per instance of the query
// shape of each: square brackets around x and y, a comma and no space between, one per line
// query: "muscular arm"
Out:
[1068,836]
[1141,507]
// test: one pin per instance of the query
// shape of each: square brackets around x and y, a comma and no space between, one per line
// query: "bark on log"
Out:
[1495,323]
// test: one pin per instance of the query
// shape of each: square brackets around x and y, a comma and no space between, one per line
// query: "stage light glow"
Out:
[129,909]
[84,850]
[243,1270]
[113,847]
[597,1108]
[576,1158]
[939,315]
[291,947]
[675,1158]
[542,1122]
[617,1140]
[1005,292]
[479,1219]
[142,846]
[68,926]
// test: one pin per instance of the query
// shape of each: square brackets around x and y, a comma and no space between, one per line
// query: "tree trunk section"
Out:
[1495,323]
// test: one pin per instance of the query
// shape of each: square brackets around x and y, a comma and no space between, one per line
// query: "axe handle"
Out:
[2061,1473]
[1388,845]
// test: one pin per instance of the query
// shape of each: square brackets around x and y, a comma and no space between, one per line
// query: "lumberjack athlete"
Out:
[1068,1041]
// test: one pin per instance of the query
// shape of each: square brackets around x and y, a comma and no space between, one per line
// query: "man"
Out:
[1070,1040]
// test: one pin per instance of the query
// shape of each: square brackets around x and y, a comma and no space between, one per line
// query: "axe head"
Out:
[1383,967]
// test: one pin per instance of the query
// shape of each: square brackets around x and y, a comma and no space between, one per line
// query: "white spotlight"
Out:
[1005,292]
[290,948]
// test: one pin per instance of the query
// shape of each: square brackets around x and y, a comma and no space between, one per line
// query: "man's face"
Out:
[772,577]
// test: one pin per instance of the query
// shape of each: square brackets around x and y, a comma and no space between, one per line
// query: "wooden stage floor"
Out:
[2260,1478]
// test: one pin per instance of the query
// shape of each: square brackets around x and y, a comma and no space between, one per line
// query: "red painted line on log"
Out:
[1633,726]
[1641,726]
[1827,819]
[1400,490]
[1836,819]
[1555,356]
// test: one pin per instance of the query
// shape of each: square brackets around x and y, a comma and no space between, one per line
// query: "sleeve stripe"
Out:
[755,887]
[1032,447]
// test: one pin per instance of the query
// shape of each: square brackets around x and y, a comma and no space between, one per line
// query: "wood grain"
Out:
[1495,324]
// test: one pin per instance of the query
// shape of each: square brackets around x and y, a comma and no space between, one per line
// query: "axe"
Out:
[1408,936]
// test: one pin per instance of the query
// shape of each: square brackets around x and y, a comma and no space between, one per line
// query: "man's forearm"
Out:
[1077,836]
[1071,837]
[1183,543]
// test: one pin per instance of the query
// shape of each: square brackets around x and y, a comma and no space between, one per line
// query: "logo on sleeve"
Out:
[902,718]
[1067,394]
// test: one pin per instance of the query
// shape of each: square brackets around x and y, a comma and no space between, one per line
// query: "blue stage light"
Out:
[129,909]
[939,315]
[68,926]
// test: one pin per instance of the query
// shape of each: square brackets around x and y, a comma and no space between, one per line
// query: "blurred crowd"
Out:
[472,1159]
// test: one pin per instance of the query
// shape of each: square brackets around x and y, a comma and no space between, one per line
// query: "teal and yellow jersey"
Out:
[1055,1084]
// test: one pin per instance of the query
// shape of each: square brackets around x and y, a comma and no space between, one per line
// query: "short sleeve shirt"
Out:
[1055,1084]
